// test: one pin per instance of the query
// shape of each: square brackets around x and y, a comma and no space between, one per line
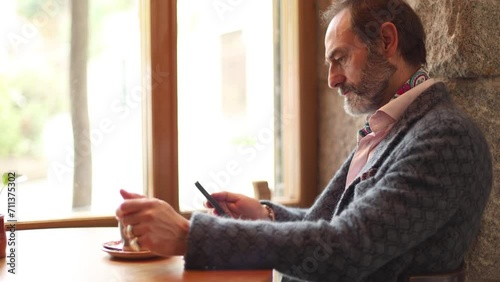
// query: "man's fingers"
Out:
[133,219]
[221,197]
[124,209]
[127,195]
[133,206]
[226,197]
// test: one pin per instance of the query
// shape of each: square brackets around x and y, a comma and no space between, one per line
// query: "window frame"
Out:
[300,101]
[298,22]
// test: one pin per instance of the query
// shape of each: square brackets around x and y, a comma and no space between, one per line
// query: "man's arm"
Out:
[406,204]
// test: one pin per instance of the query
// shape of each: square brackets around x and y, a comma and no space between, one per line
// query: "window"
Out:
[133,87]
[225,72]
[297,104]
[71,76]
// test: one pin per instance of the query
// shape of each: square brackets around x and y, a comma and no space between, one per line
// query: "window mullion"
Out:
[162,119]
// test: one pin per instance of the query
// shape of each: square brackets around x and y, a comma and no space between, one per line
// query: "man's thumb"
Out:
[127,195]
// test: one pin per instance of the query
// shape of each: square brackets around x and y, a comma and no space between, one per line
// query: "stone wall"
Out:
[463,39]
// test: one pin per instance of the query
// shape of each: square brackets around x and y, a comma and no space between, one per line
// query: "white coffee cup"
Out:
[128,239]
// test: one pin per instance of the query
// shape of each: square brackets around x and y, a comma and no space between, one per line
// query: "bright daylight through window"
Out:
[225,97]
[47,75]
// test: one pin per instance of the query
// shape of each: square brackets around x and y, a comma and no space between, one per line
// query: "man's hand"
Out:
[157,226]
[239,206]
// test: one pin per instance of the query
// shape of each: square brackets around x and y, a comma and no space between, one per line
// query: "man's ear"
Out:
[390,39]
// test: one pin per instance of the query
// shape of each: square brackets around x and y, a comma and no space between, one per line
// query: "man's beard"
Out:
[368,95]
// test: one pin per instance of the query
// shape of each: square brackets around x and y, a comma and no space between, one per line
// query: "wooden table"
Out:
[74,254]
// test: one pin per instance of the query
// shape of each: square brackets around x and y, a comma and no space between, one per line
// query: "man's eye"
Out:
[340,60]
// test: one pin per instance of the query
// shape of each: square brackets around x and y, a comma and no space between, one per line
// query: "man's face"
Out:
[360,75]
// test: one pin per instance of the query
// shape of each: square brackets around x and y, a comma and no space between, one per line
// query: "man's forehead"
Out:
[340,33]
[340,24]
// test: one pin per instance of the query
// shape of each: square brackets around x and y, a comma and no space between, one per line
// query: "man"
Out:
[408,200]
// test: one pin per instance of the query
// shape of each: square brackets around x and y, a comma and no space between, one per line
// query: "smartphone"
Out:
[212,201]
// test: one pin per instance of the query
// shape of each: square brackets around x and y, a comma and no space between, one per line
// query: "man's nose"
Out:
[335,77]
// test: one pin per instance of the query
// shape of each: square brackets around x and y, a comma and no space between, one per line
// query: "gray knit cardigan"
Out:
[415,209]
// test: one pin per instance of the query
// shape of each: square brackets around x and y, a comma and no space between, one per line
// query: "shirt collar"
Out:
[420,76]
[392,111]
[396,107]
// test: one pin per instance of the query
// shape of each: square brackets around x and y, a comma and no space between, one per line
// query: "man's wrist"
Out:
[183,242]
[269,212]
